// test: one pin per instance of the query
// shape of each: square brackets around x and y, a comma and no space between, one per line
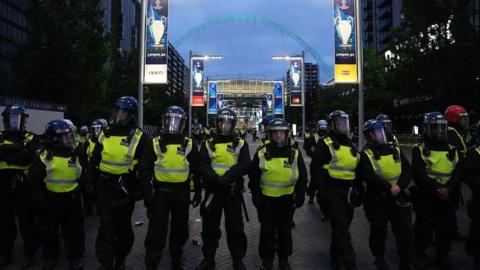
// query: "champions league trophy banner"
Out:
[269,100]
[156,42]
[220,102]
[278,98]
[295,73]
[345,41]
[197,82]
[212,98]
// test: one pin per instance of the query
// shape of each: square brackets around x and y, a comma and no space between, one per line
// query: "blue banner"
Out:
[269,102]
[197,82]
[344,18]
[295,73]
[212,98]
[278,98]
[156,43]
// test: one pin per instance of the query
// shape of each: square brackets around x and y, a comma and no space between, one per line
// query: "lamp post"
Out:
[192,58]
[302,62]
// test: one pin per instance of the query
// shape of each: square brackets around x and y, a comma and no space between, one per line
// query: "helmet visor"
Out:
[95,130]
[437,130]
[279,137]
[341,124]
[387,125]
[464,120]
[378,136]
[14,122]
[225,125]
[119,117]
[173,123]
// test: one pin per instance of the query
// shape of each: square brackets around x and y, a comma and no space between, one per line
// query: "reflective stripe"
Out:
[134,143]
[460,137]
[438,166]
[165,170]
[434,173]
[61,181]
[117,164]
[61,176]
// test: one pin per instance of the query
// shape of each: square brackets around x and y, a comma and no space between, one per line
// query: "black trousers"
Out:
[276,216]
[15,201]
[381,209]
[236,238]
[174,203]
[473,242]
[115,235]
[434,215]
[63,217]
[341,215]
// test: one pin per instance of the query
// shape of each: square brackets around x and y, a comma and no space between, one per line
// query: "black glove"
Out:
[299,200]
[149,196]
[197,199]
[256,200]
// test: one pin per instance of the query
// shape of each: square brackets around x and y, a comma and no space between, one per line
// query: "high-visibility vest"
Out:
[387,167]
[118,154]
[62,173]
[6,166]
[343,163]
[316,137]
[224,156]
[278,175]
[91,146]
[172,166]
[462,141]
[438,165]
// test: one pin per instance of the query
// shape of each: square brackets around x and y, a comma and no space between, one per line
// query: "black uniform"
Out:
[333,197]
[59,212]
[83,157]
[381,207]
[15,195]
[433,214]
[220,196]
[114,206]
[276,213]
[163,199]
[472,177]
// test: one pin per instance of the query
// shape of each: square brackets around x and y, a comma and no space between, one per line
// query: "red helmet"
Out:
[455,114]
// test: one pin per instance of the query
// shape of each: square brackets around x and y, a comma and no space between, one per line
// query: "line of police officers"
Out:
[44,183]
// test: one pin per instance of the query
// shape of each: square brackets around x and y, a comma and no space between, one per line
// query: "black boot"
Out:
[443,263]
[283,264]
[267,265]
[238,265]
[206,264]
[27,262]
[406,266]
[5,260]
[76,265]
[119,264]
[49,265]
[177,264]
[381,264]
[421,261]
[105,267]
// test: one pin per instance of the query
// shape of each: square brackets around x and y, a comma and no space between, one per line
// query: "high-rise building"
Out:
[379,16]
[178,72]
[13,33]
[122,19]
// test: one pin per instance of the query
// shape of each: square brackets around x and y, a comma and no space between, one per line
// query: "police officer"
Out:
[472,179]
[55,177]
[458,125]
[164,169]
[387,174]
[388,127]
[224,160]
[85,155]
[434,165]
[111,176]
[309,146]
[83,135]
[265,122]
[278,180]
[17,148]
[334,173]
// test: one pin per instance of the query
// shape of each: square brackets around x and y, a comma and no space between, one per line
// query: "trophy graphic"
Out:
[157,4]
[197,77]
[295,75]
[344,29]
[156,28]
[269,102]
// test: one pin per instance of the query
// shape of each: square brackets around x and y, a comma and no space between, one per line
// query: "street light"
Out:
[196,57]
[301,58]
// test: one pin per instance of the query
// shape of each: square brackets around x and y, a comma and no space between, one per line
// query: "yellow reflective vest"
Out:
[62,173]
[343,163]
[172,166]
[279,176]
[118,153]
[91,146]
[4,165]
[438,165]
[387,167]
[224,156]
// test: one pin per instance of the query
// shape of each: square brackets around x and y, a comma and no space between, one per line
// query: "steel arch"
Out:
[255,19]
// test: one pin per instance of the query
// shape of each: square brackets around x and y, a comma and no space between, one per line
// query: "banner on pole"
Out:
[220,101]
[278,97]
[295,73]
[156,42]
[197,82]
[269,102]
[212,97]
[345,41]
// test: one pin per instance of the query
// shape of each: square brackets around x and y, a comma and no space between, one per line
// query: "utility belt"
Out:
[13,180]
[171,187]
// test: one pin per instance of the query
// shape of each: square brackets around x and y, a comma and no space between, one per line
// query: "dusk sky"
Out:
[247,47]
